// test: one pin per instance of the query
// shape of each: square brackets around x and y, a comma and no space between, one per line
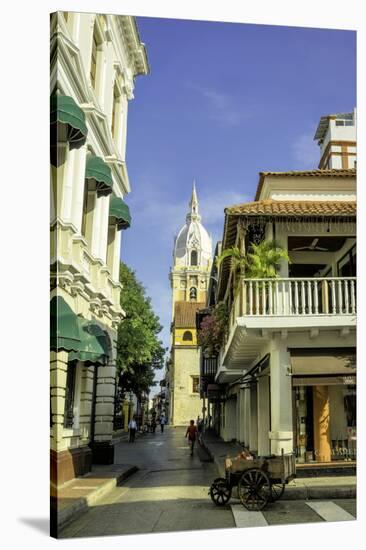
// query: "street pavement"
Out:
[170,493]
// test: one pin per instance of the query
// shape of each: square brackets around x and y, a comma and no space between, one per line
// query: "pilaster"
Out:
[281,434]
[263,415]
[58,376]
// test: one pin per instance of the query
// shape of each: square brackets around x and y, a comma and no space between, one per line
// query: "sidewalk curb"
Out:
[321,492]
[81,505]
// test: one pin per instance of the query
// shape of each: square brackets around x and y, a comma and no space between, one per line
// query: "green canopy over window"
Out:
[94,345]
[98,170]
[64,330]
[67,121]
[119,210]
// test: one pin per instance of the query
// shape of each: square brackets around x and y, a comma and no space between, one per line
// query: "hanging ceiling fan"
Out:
[312,246]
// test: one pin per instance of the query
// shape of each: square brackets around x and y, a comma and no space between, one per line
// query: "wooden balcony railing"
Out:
[295,296]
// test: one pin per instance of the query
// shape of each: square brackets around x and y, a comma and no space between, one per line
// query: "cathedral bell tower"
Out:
[192,258]
[189,278]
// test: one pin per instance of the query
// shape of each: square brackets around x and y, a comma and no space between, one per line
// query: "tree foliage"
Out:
[139,351]
[213,330]
[262,260]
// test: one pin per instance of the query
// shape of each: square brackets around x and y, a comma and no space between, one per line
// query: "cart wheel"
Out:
[220,491]
[254,489]
[277,490]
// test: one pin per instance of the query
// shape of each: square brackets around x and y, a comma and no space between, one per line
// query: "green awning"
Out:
[119,211]
[67,121]
[64,330]
[94,345]
[99,171]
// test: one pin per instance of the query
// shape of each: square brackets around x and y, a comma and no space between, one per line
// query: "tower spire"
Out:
[193,214]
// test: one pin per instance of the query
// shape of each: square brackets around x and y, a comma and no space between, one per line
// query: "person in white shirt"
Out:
[162,422]
[132,426]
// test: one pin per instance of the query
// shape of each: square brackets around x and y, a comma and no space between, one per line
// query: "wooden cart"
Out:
[259,481]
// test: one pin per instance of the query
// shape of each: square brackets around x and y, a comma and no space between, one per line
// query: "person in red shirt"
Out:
[192,434]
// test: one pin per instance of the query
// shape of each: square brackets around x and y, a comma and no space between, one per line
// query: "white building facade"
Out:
[94,62]
[286,376]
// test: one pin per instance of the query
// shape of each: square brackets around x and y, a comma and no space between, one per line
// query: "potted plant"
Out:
[262,261]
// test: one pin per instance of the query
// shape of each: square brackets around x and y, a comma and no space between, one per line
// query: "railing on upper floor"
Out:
[294,297]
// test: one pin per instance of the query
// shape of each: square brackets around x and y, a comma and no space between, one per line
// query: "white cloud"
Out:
[306,151]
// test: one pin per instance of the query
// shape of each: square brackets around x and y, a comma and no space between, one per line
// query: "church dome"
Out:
[193,246]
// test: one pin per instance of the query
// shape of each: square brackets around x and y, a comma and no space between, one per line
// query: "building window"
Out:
[194,257]
[70,396]
[193,293]
[195,384]
[187,336]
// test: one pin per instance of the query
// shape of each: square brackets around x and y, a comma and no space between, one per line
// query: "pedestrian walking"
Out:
[162,423]
[132,426]
[192,434]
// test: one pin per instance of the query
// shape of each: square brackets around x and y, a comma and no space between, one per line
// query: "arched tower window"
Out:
[193,293]
[194,258]
[187,336]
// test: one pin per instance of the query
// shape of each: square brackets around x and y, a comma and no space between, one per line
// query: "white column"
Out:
[104,228]
[117,256]
[67,185]
[96,229]
[122,134]
[86,399]
[85,38]
[253,428]
[263,415]
[247,417]
[242,427]
[237,413]
[104,408]
[78,189]
[281,239]
[110,75]
[281,434]
[79,186]
[58,377]
[53,199]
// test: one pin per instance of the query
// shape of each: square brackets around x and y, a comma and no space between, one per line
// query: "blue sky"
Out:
[223,102]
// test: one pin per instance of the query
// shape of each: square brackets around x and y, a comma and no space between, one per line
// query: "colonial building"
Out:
[94,62]
[189,278]
[336,137]
[285,377]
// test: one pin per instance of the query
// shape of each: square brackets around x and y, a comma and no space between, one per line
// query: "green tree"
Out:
[139,351]
[262,261]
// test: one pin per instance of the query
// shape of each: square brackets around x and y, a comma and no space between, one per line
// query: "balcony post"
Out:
[263,415]
[325,297]
[281,434]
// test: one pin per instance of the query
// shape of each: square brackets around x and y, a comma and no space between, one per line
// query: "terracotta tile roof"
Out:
[340,173]
[185,313]
[293,208]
